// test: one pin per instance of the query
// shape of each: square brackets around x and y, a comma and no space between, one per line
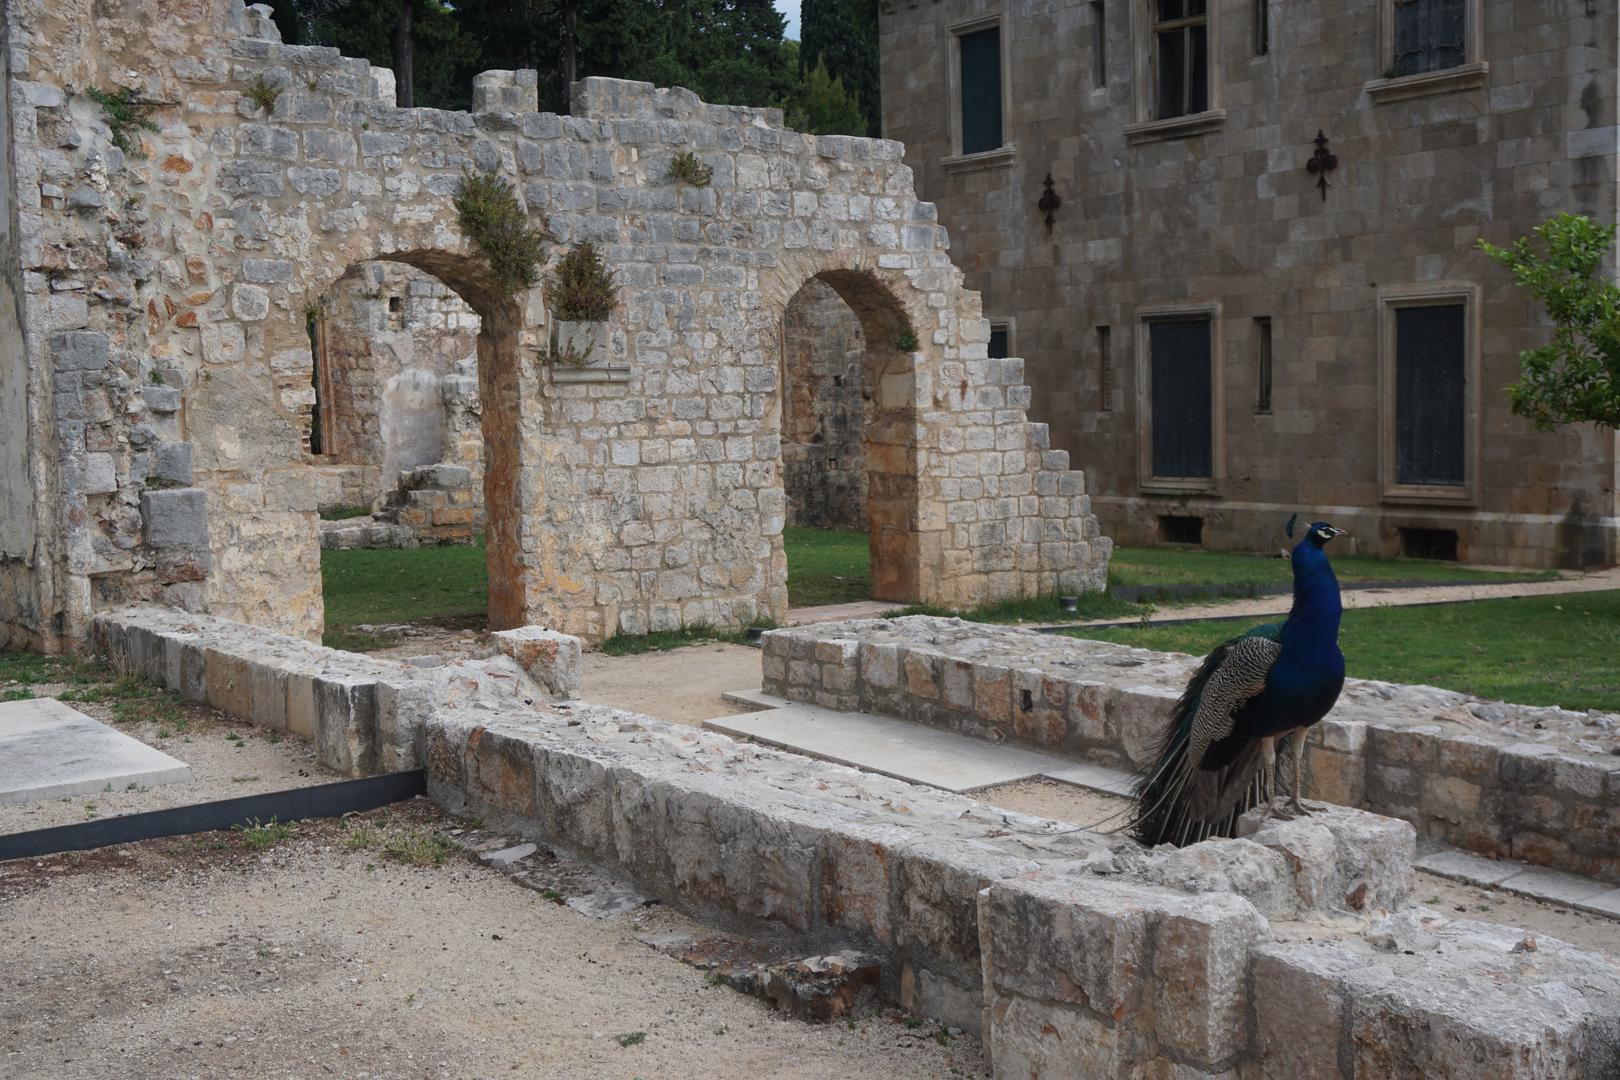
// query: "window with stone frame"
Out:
[1429,35]
[1182,398]
[1180,58]
[1000,346]
[979,79]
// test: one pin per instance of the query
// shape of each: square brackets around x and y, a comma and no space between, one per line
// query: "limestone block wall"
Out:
[1291,953]
[165,293]
[823,411]
[1541,785]
[1219,215]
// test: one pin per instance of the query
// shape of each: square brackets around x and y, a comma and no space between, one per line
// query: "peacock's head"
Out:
[1321,532]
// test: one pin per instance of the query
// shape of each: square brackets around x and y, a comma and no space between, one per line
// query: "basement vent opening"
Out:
[1181,529]
[1429,544]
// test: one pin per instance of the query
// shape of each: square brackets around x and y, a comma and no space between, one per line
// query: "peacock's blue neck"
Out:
[1313,622]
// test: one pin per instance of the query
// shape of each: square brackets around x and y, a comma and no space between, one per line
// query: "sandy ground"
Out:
[197,957]
[229,758]
[680,686]
[1058,801]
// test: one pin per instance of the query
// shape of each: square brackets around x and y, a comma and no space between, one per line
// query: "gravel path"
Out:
[198,957]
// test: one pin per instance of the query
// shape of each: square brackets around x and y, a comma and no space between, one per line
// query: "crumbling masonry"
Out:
[157,355]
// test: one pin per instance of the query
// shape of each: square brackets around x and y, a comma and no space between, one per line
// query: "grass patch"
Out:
[1540,650]
[87,682]
[259,836]
[418,847]
[827,566]
[630,1038]
[344,513]
[366,586]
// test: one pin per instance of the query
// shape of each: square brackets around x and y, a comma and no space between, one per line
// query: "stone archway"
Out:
[501,420]
[874,406]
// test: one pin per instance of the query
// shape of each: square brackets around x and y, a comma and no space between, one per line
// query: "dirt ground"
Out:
[229,758]
[199,957]
[680,686]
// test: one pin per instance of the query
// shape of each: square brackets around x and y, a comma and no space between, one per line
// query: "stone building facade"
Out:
[1326,338]
[155,307]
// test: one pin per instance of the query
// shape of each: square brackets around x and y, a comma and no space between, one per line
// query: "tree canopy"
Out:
[1576,378]
[730,52]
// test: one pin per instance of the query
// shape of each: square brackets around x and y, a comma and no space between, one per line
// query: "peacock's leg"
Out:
[1296,744]
[1268,777]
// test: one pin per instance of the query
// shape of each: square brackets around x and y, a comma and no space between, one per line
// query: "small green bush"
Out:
[125,114]
[688,169]
[263,94]
[906,340]
[582,288]
[493,219]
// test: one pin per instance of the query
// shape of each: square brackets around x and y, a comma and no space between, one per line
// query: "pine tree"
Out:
[843,34]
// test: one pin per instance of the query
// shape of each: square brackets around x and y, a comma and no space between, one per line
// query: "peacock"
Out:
[1253,696]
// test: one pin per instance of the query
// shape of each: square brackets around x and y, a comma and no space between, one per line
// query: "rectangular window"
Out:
[1000,341]
[1262,27]
[1099,45]
[1182,404]
[980,65]
[1429,35]
[1262,359]
[1181,57]
[1105,369]
[1431,394]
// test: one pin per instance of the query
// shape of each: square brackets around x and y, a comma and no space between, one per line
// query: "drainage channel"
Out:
[321,801]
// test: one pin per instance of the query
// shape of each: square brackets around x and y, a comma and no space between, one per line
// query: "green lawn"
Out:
[826,566]
[1544,650]
[1173,566]
[446,585]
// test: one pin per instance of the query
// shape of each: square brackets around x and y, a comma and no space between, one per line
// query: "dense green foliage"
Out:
[581,288]
[843,36]
[1575,379]
[493,219]
[731,52]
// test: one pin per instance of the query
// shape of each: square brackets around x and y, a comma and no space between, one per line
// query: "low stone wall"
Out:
[1286,954]
[1533,784]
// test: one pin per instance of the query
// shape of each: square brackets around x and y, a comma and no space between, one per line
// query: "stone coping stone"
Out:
[49,750]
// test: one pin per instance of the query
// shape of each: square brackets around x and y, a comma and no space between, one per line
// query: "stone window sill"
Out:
[1176,127]
[1404,87]
[998,158]
[1163,485]
[1422,494]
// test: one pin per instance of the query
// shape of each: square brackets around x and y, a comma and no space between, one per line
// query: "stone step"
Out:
[1535,882]
[903,750]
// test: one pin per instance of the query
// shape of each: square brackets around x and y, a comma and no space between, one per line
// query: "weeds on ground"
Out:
[361,836]
[418,847]
[260,836]
[630,1038]
[665,640]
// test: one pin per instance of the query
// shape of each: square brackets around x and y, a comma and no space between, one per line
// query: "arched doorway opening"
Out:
[411,424]
[849,440]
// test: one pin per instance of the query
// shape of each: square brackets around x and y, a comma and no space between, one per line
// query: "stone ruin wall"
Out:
[400,385]
[823,411]
[163,301]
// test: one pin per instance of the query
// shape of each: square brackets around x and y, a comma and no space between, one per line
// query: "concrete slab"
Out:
[901,749]
[883,745]
[49,751]
[1554,885]
[1471,869]
[1605,903]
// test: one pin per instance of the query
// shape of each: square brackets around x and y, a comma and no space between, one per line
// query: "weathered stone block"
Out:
[346,723]
[550,659]
[176,517]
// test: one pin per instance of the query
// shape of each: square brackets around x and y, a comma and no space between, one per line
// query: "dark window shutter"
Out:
[1181,382]
[981,90]
[998,343]
[1430,395]
[1429,35]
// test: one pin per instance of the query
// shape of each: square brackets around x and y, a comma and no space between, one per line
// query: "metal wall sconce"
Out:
[1049,203]
[1321,163]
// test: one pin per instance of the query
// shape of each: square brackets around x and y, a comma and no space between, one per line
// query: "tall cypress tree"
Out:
[844,35]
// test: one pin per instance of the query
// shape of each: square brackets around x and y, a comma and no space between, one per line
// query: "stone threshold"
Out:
[904,750]
[1522,879]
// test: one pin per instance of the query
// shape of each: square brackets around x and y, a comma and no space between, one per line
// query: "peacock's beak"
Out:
[1338,531]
